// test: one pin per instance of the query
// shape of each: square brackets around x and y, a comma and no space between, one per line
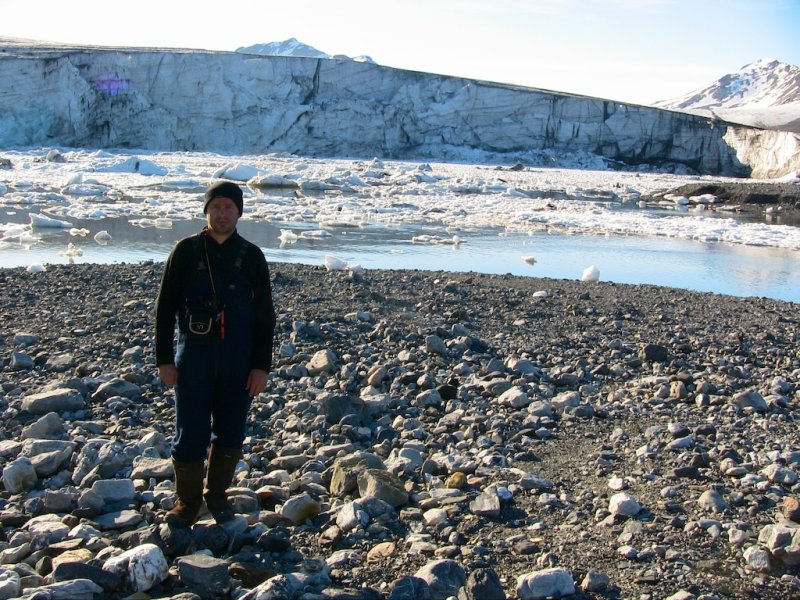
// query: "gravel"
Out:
[424,435]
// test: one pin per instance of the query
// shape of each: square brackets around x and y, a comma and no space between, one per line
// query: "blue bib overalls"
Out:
[211,399]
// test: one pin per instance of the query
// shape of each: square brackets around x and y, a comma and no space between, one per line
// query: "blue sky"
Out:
[629,50]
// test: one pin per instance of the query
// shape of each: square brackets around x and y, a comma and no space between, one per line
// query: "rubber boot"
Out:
[221,467]
[189,487]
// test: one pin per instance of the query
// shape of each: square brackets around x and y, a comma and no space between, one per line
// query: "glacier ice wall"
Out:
[175,100]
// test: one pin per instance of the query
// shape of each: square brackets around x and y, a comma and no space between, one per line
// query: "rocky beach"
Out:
[425,435]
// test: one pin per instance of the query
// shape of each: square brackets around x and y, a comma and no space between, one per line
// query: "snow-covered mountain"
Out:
[294,47]
[765,93]
[290,47]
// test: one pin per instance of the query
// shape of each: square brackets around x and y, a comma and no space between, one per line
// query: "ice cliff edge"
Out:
[178,100]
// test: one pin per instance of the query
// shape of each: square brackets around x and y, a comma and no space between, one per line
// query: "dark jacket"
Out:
[185,265]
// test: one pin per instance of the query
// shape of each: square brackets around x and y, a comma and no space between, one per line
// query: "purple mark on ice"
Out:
[111,84]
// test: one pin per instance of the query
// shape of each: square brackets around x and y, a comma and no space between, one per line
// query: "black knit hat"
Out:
[225,189]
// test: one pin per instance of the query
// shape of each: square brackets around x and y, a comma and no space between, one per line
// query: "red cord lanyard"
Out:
[222,324]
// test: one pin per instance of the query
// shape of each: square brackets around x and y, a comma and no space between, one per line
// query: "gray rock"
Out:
[750,400]
[77,589]
[300,508]
[410,588]
[9,584]
[654,353]
[60,363]
[19,475]
[514,397]
[47,456]
[712,500]
[147,466]
[120,519]
[21,362]
[337,406]
[595,581]
[60,501]
[380,484]
[486,504]
[117,387]
[57,400]
[445,578]
[323,361]
[50,426]
[206,575]
[114,490]
[435,345]
[482,584]
[68,571]
[23,339]
[346,470]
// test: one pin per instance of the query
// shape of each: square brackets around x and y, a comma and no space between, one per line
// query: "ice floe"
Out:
[155,189]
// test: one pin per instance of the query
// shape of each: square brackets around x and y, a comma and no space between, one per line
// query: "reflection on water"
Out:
[726,269]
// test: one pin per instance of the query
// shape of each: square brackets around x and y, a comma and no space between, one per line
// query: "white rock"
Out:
[514,397]
[547,583]
[623,505]
[758,559]
[141,567]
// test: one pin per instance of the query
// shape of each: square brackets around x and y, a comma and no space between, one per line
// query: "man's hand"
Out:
[168,374]
[256,382]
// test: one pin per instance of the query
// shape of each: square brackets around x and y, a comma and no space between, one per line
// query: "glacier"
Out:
[178,100]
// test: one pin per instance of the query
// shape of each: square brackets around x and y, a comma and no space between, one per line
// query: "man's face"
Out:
[222,214]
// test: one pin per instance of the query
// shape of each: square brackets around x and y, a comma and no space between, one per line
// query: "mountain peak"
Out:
[290,47]
[766,82]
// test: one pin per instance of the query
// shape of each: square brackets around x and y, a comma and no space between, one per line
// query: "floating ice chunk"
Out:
[163,223]
[676,199]
[54,156]
[704,199]
[319,186]
[71,251]
[272,181]
[35,268]
[287,236]
[529,260]
[74,179]
[315,234]
[78,232]
[132,164]
[85,189]
[591,273]
[435,239]
[44,222]
[3,189]
[237,172]
[102,237]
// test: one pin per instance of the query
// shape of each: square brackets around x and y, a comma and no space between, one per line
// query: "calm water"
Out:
[720,268]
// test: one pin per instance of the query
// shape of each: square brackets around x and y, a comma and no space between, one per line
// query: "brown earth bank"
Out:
[526,438]
[751,197]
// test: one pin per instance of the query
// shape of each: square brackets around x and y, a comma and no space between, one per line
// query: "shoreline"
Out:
[550,398]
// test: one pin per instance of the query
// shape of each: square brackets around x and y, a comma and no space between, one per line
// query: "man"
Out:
[216,286]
